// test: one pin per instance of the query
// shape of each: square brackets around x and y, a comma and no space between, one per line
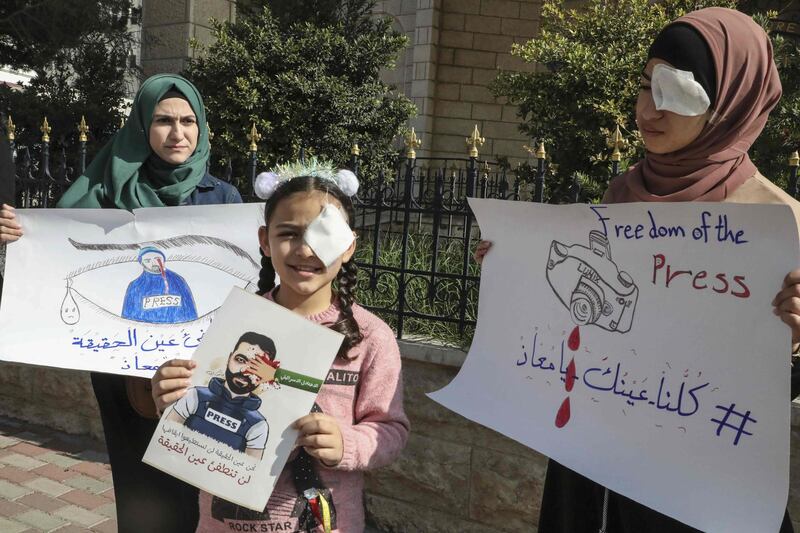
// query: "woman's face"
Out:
[663,131]
[174,131]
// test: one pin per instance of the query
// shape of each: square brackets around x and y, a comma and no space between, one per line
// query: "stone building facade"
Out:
[168,26]
[456,48]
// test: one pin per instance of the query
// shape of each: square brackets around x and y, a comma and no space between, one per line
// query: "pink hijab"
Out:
[715,163]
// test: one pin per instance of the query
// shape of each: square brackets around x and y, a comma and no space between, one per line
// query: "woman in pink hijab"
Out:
[706,92]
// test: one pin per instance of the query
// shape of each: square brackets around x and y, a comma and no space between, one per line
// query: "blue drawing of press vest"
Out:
[158,295]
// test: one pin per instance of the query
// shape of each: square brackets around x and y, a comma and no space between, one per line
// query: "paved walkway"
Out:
[55,482]
[51,481]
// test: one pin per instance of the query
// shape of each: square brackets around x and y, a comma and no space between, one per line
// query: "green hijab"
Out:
[126,173]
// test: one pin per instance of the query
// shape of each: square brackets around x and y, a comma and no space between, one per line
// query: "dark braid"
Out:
[266,276]
[346,282]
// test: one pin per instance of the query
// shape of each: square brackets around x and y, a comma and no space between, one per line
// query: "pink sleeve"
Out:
[381,427]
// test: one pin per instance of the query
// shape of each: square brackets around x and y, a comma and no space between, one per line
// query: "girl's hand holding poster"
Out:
[259,369]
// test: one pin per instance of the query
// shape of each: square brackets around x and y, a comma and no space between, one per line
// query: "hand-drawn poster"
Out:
[119,292]
[259,369]
[636,345]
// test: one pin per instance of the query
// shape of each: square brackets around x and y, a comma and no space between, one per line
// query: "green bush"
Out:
[308,78]
[595,55]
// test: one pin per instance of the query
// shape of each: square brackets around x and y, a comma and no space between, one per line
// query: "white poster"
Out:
[231,433]
[119,292]
[636,345]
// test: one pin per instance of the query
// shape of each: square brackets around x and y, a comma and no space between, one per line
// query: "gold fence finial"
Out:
[794,159]
[11,129]
[412,142]
[45,129]
[83,129]
[254,137]
[474,141]
[616,141]
[540,152]
[355,150]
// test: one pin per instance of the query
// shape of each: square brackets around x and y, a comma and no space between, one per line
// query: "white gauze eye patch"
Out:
[328,235]
[675,90]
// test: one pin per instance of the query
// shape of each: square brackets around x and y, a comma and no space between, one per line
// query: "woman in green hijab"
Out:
[159,157]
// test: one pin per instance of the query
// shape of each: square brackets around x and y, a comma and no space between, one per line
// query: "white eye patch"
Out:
[328,235]
[675,90]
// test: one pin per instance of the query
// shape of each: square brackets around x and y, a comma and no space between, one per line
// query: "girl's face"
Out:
[302,274]
[664,131]
[174,131]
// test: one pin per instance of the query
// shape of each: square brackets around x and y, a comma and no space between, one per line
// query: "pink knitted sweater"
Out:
[365,395]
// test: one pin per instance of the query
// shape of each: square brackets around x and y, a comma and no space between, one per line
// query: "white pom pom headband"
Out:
[267,182]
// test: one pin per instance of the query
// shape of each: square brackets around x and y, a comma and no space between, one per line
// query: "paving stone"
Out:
[16,475]
[79,515]
[26,448]
[95,470]
[109,510]
[12,526]
[10,509]
[109,526]
[12,491]
[59,459]
[109,494]
[21,461]
[84,499]
[48,486]
[5,441]
[70,529]
[40,501]
[40,520]
[55,472]
[95,486]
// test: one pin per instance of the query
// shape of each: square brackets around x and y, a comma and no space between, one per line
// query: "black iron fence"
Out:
[416,231]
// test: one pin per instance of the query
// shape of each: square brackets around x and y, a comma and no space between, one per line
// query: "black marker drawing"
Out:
[166,298]
[590,284]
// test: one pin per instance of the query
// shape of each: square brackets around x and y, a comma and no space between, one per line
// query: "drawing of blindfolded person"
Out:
[227,410]
[158,295]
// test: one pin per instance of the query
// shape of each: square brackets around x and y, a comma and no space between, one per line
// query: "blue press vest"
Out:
[223,417]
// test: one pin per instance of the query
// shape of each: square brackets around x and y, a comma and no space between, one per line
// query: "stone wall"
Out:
[456,48]
[454,475]
[167,27]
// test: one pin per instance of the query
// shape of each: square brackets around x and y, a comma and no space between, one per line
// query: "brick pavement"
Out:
[51,481]
[55,482]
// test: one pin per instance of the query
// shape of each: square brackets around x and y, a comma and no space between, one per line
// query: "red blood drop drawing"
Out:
[574,341]
[562,417]
[569,381]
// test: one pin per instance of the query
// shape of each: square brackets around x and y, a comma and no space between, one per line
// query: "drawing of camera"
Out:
[590,285]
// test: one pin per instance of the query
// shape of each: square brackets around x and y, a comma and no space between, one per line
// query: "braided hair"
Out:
[346,279]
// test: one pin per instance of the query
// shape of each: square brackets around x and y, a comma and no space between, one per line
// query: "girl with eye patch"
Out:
[158,158]
[706,93]
[358,422]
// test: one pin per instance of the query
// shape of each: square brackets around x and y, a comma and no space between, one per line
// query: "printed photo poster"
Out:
[120,292]
[259,369]
[636,345]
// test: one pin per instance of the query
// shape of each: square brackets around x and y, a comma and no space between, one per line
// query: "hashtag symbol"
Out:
[745,418]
